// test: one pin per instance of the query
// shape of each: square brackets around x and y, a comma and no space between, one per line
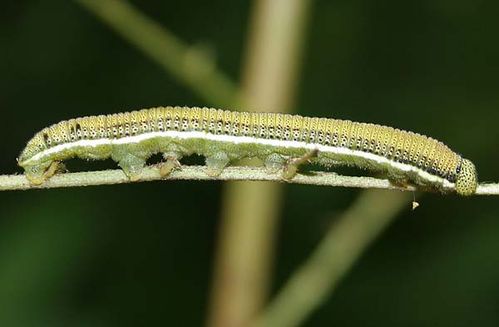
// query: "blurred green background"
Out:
[142,254]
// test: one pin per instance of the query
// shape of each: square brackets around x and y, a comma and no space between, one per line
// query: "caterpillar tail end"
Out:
[38,174]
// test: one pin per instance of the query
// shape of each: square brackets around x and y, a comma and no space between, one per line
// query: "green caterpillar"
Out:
[223,136]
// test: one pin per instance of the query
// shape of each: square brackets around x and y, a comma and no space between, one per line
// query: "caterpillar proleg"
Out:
[223,136]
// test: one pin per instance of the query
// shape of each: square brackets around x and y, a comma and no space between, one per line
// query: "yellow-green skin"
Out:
[96,137]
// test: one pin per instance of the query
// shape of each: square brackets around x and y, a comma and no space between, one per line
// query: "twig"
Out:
[188,64]
[236,173]
[198,173]
[488,189]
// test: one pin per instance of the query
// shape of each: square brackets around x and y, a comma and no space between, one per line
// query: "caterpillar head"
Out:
[467,180]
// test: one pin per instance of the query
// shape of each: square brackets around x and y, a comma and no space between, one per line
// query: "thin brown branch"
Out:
[188,64]
[198,173]
[488,189]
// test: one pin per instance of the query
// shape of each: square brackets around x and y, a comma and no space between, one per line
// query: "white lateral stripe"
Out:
[243,140]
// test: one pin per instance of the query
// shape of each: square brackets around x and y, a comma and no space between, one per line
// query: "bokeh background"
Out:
[143,254]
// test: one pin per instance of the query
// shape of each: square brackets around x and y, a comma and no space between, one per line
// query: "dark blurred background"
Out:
[142,254]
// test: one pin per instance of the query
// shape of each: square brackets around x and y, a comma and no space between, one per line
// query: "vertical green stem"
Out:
[251,210]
